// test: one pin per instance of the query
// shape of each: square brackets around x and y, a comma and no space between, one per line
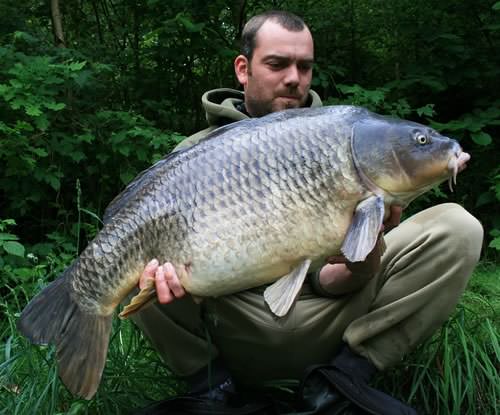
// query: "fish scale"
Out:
[257,201]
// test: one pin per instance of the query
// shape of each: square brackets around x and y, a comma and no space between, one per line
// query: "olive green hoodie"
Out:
[224,106]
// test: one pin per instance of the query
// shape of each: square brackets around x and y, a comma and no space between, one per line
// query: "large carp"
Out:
[258,201]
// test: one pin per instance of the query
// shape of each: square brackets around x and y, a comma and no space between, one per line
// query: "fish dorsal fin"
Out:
[366,224]
[281,295]
[136,185]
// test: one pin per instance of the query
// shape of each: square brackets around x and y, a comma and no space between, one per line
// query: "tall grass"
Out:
[454,372]
[133,376]
[457,371]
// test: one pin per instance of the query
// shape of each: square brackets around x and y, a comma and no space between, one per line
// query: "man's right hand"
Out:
[168,286]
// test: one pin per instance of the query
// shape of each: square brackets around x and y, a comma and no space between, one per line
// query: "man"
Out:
[354,318]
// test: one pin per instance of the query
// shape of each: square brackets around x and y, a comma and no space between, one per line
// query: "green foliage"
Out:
[8,241]
[133,376]
[378,100]
[78,123]
[107,106]
[53,134]
[456,371]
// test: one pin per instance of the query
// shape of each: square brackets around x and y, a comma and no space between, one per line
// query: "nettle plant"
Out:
[57,128]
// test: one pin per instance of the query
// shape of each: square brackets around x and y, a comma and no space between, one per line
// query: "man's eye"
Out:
[275,65]
[305,66]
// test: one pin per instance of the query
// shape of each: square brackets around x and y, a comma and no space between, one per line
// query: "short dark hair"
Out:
[287,20]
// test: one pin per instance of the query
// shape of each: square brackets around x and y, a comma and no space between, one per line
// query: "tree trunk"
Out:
[57,24]
[238,14]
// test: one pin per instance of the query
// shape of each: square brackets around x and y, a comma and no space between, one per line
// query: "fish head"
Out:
[404,159]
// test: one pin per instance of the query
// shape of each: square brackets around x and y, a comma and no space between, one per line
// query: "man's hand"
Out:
[340,276]
[168,286]
[394,218]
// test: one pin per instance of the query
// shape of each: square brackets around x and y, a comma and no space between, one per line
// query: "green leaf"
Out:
[496,6]
[16,84]
[8,237]
[54,182]
[16,103]
[3,89]
[14,248]
[88,212]
[7,222]
[481,138]
[23,125]
[77,156]
[189,25]
[86,137]
[493,27]
[33,110]
[55,106]
[76,66]
[126,177]
[23,272]
[495,244]
[82,77]
[485,198]
[448,36]
[40,152]
[42,123]
[427,110]
[125,150]
[18,35]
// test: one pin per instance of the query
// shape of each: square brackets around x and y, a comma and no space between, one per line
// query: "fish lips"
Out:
[456,165]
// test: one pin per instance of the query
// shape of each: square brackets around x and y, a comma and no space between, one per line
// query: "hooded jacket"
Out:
[224,106]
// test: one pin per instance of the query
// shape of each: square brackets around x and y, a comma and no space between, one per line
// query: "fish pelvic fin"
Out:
[364,230]
[81,338]
[281,295]
[145,297]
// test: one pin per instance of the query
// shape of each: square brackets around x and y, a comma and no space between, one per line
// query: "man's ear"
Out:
[241,68]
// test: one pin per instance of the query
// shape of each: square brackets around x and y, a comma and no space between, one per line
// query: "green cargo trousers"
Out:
[425,269]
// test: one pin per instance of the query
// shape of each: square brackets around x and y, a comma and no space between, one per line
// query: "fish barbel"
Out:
[258,201]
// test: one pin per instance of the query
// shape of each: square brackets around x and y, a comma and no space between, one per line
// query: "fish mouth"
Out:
[457,164]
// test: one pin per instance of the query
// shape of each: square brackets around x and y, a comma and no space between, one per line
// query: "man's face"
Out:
[279,75]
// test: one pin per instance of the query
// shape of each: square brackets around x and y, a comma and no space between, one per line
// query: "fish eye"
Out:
[422,139]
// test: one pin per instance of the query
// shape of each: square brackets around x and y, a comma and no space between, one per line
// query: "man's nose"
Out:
[292,77]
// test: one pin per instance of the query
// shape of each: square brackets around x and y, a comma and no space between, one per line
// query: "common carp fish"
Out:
[258,201]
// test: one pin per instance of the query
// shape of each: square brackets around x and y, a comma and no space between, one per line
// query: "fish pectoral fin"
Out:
[145,297]
[365,227]
[281,295]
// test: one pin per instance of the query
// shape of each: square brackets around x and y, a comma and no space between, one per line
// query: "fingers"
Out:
[148,273]
[173,280]
[163,292]
[168,286]
[394,218]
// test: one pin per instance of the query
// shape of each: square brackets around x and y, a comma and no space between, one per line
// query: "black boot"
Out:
[211,391]
[342,388]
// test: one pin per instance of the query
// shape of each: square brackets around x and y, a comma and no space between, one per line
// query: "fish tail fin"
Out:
[81,338]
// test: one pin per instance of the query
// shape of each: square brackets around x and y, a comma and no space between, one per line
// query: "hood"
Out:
[221,105]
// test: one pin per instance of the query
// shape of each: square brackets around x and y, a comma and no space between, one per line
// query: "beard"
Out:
[258,107]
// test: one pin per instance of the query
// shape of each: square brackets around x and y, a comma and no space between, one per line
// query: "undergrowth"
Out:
[454,372]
